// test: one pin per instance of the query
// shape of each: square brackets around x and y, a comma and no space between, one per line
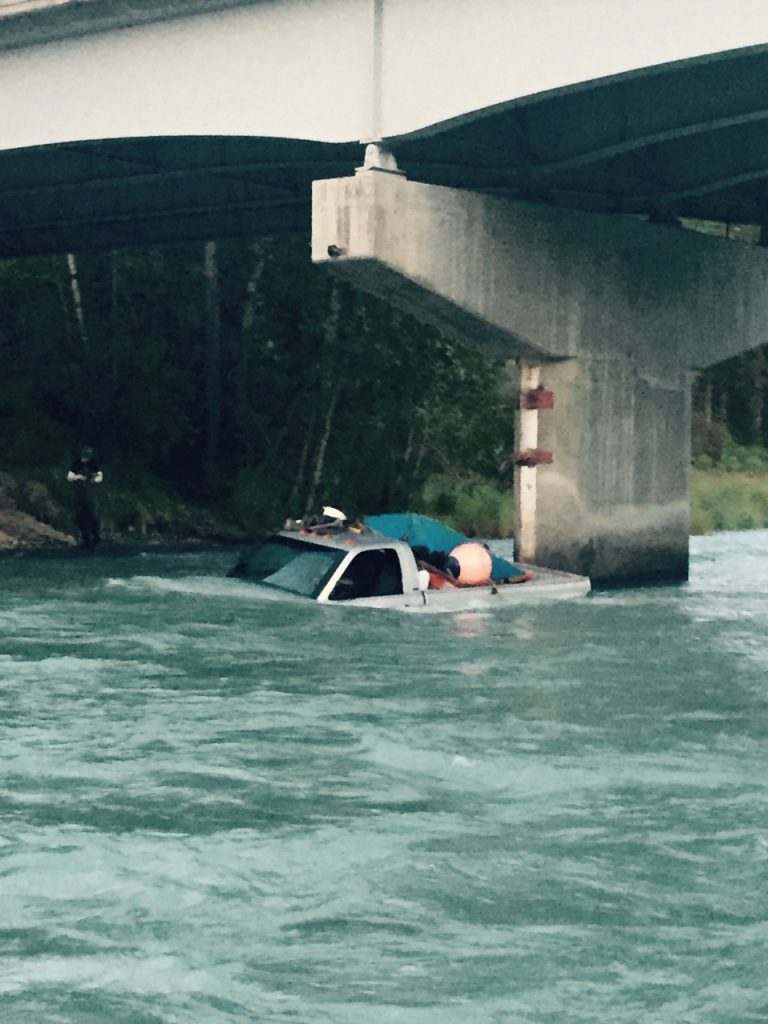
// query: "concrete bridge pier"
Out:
[610,314]
[613,502]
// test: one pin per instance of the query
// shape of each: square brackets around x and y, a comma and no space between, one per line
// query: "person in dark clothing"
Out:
[84,474]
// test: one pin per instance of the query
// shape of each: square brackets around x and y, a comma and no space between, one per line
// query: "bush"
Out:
[723,499]
[137,503]
[255,503]
[743,457]
[474,506]
[128,502]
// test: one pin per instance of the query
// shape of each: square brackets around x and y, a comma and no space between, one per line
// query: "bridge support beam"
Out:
[613,502]
[609,313]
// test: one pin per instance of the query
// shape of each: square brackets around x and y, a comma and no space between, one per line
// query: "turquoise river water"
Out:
[217,807]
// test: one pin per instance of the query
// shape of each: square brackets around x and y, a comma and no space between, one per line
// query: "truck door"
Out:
[375,572]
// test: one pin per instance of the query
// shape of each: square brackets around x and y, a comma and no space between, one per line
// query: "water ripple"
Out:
[218,807]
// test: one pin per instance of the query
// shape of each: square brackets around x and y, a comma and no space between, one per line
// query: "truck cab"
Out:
[366,569]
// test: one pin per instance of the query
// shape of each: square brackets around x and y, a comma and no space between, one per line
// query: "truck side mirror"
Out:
[423,580]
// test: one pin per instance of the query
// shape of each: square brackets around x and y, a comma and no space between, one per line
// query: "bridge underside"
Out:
[679,140]
[122,192]
[688,139]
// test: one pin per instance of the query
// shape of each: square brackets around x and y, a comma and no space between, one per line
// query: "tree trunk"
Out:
[322,446]
[77,299]
[242,399]
[252,297]
[422,449]
[115,325]
[329,388]
[754,394]
[708,401]
[212,363]
[298,480]
[399,472]
[273,458]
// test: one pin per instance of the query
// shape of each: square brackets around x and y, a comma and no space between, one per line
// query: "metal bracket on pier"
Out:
[534,457]
[537,398]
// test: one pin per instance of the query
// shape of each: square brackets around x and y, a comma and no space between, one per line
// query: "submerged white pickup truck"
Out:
[355,564]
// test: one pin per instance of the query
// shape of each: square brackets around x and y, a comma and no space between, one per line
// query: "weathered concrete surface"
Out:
[542,282]
[616,313]
[614,502]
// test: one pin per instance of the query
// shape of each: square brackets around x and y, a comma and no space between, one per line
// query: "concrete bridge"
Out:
[529,164]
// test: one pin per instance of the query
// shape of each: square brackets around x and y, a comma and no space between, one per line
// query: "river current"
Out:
[217,807]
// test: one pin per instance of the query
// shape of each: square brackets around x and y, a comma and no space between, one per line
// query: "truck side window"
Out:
[374,573]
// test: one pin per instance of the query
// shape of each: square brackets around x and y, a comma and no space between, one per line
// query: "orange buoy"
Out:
[474,563]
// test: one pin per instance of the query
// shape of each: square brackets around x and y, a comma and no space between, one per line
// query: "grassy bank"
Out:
[721,499]
[730,493]
[472,505]
[724,499]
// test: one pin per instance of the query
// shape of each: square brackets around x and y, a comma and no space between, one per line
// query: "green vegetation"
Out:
[236,377]
[474,506]
[730,493]
[729,481]
[728,500]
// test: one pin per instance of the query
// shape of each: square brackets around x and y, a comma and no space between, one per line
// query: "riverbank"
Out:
[35,516]
[19,530]
[726,499]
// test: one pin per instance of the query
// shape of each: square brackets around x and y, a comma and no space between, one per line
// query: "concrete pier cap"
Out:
[610,314]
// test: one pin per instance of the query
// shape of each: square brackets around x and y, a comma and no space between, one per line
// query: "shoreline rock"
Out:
[19,531]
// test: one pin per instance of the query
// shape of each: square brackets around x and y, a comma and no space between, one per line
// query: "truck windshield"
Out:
[293,565]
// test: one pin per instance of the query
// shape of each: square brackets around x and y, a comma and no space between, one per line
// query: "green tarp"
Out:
[421,531]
